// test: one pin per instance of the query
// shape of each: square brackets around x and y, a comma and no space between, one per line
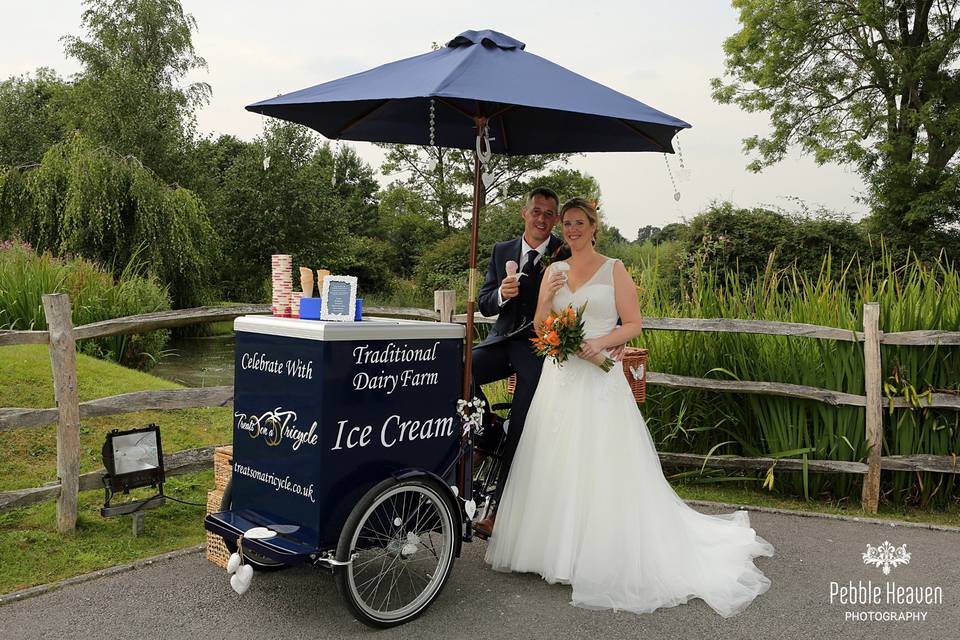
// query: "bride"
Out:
[586,503]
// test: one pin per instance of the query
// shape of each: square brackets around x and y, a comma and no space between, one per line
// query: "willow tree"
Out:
[85,199]
[867,83]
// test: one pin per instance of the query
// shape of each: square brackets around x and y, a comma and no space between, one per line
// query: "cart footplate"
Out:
[231,526]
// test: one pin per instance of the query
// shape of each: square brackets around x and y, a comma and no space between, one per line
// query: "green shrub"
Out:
[404,226]
[405,293]
[367,259]
[95,294]
[728,238]
[445,264]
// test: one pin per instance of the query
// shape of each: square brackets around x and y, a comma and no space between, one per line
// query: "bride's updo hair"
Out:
[589,209]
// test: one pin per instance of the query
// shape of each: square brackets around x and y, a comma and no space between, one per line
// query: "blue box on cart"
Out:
[310,308]
[323,411]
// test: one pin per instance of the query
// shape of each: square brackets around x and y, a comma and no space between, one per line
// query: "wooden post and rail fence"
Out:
[61,336]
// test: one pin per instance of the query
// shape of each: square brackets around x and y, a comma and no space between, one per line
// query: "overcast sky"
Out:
[660,53]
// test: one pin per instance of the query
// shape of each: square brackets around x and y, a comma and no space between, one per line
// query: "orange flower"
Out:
[549,321]
[554,352]
[553,338]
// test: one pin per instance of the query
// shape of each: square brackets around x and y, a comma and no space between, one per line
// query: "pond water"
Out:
[198,362]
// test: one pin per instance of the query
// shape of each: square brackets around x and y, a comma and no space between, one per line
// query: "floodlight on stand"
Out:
[132,459]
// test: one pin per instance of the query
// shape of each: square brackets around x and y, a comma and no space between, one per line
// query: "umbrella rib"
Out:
[363,117]
[454,107]
[637,130]
[501,111]
[503,126]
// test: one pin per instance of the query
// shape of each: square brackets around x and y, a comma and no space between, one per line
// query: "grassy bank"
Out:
[31,550]
[28,457]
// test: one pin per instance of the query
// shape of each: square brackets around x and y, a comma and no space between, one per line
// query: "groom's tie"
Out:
[529,267]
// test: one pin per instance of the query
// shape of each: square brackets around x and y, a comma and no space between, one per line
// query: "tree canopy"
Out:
[870,83]
[129,95]
[30,116]
[443,178]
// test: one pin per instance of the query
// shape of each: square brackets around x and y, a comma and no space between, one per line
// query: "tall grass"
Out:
[25,276]
[911,296]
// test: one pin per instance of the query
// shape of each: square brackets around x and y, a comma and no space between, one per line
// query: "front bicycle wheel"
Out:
[401,539]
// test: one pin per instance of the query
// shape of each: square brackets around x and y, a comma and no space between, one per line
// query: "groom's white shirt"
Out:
[524,250]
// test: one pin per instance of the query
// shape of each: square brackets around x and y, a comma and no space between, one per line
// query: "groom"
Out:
[507,348]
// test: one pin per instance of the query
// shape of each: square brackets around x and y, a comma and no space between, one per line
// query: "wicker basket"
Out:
[217,552]
[635,369]
[222,466]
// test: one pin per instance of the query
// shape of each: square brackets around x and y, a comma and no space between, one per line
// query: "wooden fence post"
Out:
[63,361]
[445,303]
[873,382]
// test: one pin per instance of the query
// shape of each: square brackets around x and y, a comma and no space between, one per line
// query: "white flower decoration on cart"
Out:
[471,412]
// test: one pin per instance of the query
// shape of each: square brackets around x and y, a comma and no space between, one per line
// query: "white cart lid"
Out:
[367,329]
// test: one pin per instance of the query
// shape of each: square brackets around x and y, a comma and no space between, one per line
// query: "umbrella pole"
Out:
[472,283]
[466,490]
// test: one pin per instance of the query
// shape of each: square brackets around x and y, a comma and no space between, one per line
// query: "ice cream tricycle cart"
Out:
[346,444]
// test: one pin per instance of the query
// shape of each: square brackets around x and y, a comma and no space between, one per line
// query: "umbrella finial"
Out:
[487,38]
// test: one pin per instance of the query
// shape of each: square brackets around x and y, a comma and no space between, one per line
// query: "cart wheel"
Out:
[255,560]
[401,536]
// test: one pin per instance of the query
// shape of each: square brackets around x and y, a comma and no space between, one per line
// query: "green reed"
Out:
[911,296]
[95,294]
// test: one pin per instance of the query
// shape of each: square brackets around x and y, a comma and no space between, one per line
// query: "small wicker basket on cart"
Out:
[217,552]
[634,369]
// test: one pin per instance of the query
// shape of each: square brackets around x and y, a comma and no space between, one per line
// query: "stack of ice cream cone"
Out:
[282,265]
[295,298]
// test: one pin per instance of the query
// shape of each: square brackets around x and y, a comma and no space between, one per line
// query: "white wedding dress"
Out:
[586,502]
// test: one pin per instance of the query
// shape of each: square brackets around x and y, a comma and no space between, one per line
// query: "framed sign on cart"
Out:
[339,298]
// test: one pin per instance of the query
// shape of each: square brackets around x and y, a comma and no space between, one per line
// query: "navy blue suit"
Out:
[507,349]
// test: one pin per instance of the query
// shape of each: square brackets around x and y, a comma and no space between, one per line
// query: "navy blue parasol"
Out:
[486,94]
[530,104]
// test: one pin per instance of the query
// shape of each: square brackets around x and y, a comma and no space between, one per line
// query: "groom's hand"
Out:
[509,288]
[617,352]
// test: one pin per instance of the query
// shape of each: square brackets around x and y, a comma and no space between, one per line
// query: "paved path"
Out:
[187,597]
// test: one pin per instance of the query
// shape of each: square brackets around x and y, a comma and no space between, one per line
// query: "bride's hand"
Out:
[553,284]
[589,348]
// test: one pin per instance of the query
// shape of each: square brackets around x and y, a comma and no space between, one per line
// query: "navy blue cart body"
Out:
[323,412]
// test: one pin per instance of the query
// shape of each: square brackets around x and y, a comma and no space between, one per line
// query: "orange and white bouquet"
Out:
[560,336]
